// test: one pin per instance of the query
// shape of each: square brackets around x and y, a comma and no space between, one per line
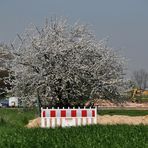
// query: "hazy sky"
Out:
[124,21]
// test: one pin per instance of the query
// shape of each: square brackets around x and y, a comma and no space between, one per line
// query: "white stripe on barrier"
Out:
[53,122]
[89,120]
[79,113]
[84,121]
[58,122]
[42,122]
[48,122]
[68,113]
[58,113]
[89,113]
[79,121]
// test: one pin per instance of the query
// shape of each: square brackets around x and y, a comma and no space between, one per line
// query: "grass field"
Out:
[16,117]
[123,112]
[97,136]
[13,134]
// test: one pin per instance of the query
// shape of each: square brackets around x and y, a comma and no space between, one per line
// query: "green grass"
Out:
[123,112]
[13,134]
[16,117]
[97,136]
[142,98]
[145,96]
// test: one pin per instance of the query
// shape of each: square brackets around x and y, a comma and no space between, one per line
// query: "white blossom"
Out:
[66,62]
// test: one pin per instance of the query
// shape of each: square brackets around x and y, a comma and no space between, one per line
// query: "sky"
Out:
[123,22]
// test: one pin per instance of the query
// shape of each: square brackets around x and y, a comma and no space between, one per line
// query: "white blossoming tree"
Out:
[65,64]
[5,57]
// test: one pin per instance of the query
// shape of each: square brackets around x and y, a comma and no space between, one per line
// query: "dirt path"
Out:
[106,119]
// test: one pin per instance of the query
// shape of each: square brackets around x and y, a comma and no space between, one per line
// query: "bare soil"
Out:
[105,119]
[34,123]
[108,103]
[121,119]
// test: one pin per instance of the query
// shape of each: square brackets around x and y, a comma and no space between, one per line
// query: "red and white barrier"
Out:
[68,117]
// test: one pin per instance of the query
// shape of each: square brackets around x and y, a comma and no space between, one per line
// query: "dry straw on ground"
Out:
[106,119]
[120,119]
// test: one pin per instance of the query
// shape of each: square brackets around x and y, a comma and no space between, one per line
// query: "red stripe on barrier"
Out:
[43,113]
[73,113]
[63,113]
[84,113]
[52,113]
[93,113]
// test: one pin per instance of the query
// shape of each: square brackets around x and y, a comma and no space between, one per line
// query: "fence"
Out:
[68,117]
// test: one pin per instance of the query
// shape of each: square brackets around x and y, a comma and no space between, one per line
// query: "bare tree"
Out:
[66,64]
[140,77]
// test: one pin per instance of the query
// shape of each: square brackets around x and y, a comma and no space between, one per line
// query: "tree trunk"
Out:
[39,105]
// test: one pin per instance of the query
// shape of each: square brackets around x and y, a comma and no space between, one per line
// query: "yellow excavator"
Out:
[135,93]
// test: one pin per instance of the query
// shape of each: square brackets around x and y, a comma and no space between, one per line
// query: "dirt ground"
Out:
[108,103]
[105,119]
[121,119]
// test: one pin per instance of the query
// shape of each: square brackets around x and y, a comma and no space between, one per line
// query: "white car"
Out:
[13,102]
